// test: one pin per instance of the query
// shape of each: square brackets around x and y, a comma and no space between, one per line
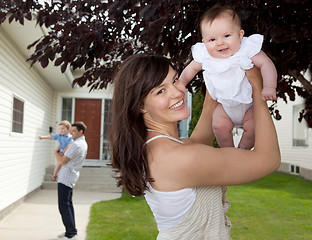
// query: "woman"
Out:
[182,180]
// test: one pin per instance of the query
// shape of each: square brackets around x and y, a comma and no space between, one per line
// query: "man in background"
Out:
[67,177]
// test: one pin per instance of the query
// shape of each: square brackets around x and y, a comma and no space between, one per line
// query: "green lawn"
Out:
[126,218]
[277,207]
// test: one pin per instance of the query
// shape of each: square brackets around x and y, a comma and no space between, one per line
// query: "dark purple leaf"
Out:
[64,67]
[58,61]
[85,37]
[44,62]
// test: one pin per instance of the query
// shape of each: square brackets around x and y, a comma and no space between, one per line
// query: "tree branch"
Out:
[305,83]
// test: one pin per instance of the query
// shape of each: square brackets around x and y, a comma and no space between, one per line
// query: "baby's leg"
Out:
[222,127]
[248,139]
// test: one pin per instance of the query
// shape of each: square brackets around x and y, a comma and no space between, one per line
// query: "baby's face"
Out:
[222,37]
[63,130]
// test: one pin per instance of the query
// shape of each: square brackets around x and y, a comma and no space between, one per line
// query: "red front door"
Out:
[89,112]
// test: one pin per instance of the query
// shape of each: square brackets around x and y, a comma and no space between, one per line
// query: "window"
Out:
[67,109]
[300,129]
[294,169]
[18,115]
[107,126]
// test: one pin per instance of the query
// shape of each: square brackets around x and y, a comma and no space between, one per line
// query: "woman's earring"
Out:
[143,110]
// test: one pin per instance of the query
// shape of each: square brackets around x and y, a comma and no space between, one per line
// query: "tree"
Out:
[197,106]
[98,34]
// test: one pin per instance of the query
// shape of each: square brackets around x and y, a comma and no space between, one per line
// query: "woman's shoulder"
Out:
[178,166]
[159,143]
[172,153]
[167,163]
[163,148]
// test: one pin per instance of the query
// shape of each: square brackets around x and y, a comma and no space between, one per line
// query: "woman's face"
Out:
[166,103]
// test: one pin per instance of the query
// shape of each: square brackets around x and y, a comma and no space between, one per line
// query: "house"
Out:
[32,101]
[295,139]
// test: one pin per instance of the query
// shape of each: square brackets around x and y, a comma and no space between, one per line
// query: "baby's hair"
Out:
[212,13]
[65,123]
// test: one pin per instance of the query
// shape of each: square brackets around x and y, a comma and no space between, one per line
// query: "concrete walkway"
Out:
[38,217]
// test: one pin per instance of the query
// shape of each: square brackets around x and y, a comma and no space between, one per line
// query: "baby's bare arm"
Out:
[45,137]
[190,71]
[269,75]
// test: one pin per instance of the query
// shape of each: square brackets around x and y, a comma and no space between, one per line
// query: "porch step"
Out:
[98,179]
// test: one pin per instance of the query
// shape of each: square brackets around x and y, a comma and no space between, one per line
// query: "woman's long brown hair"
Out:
[137,76]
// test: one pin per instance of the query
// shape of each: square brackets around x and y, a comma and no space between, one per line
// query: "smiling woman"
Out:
[182,179]
[169,99]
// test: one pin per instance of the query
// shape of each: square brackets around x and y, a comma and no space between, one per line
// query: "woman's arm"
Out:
[203,130]
[198,164]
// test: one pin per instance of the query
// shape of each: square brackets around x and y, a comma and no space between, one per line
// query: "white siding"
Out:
[23,157]
[300,156]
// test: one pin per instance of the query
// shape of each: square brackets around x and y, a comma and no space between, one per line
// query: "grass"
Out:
[277,207]
[126,218]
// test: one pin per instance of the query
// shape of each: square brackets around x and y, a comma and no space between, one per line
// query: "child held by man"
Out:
[64,140]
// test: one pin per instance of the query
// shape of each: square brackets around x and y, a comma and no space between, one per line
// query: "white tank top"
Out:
[169,208]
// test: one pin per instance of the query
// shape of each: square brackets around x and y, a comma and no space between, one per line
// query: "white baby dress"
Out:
[225,77]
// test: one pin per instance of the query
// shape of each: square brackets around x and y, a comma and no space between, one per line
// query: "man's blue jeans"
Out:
[66,209]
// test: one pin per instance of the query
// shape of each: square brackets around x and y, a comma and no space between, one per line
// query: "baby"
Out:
[64,138]
[224,55]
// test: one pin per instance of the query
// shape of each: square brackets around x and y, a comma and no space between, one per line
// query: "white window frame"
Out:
[12,117]
[294,169]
